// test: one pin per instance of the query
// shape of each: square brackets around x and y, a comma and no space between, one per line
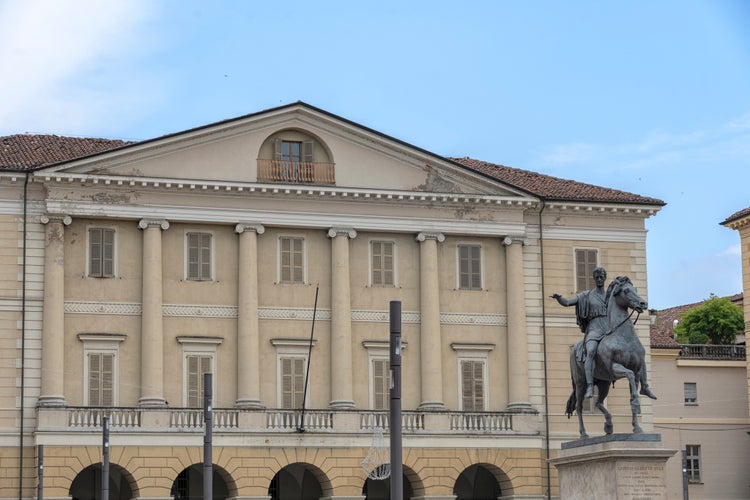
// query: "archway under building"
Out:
[189,483]
[298,481]
[381,489]
[482,482]
[87,484]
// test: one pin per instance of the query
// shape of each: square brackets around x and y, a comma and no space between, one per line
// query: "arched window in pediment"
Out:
[294,156]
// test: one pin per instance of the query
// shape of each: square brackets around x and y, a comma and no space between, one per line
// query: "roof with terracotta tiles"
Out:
[662,327]
[30,151]
[553,188]
[737,215]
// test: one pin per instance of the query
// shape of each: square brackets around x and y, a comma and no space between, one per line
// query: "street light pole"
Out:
[397,477]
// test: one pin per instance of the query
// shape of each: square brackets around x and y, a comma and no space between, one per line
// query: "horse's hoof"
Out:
[609,428]
[584,436]
[637,430]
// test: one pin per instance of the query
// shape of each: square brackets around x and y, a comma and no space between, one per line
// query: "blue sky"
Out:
[647,97]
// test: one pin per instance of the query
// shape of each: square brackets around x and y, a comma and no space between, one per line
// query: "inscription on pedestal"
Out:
[640,481]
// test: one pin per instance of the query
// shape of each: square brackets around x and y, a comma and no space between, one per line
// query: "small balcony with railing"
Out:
[713,352]
[296,172]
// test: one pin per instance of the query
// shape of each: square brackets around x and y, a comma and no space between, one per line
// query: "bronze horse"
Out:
[620,355]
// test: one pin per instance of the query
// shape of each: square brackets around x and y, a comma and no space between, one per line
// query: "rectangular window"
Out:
[101,252]
[469,267]
[381,384]
[292,382]
[691,393]
[382,263]
[197,366]
[472,385]
[199,256]
[586,262]
[101,379]
[693,462]
[291,260]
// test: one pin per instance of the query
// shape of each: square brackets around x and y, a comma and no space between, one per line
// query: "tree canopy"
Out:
[716,319]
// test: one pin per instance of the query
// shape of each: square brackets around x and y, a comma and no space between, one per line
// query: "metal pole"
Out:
[685,495]
[105,458]
[397,475]
[208,486]
[40,472]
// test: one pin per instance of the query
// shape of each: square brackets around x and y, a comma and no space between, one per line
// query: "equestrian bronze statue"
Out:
[617,350]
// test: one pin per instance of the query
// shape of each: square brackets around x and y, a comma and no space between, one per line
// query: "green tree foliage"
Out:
[716,319]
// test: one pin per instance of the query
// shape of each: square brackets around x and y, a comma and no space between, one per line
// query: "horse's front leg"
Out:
[579,411]
[603,391]
[635,405]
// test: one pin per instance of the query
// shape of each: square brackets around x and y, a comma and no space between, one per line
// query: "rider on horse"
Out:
[591,317]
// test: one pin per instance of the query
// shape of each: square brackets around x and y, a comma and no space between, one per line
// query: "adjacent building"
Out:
[702,411]
[266,250]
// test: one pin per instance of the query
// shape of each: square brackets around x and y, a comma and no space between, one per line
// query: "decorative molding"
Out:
[595,234]
[293,342]
[280,313]
[197,339]
[426,235]
[383,316]
[473,319]
[198,311]
[146,223]
[102,337]
[342,231]
[47,218]
[310,220]
[295,313]
[249,226]
[381,344]
[111,308]
[467,346]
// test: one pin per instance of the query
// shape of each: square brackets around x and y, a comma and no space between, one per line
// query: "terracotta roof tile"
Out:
[30,151]
[554,188]
[737,215]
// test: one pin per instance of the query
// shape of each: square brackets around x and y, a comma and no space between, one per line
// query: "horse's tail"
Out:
[571,405]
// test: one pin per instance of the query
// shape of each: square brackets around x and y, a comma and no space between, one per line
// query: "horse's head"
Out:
[624,293]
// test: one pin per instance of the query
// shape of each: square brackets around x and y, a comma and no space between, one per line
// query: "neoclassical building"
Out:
[265,250]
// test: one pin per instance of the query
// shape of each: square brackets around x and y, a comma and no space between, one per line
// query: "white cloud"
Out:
[54,53]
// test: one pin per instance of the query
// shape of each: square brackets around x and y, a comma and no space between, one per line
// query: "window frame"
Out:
[279,256]
[101,343]
[469,244]
[198,346]
[474,352]
[89,254]
[688,389]
[588,275]
[693,463]
[394,260]
[211,263]
[378,351]
[291,349]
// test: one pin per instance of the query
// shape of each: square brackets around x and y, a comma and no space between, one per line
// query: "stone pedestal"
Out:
[617,466]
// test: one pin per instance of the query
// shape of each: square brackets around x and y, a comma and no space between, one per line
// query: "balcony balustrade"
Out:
[296,172]
[707,351]
[232,420]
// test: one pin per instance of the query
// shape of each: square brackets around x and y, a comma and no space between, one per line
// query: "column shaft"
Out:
[341,321]
[518,358]
[248,342]
[53,318]
[430,343]
[152,348]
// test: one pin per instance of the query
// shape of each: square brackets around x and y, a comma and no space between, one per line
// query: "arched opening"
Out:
[479,482]
[295,156]
[87,485]
[189,484]
[381,489]
[297,482]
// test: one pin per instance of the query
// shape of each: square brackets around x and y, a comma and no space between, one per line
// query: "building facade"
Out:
[702,411]
[265,250]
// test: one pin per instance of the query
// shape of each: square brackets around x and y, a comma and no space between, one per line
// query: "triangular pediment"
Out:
[294,145]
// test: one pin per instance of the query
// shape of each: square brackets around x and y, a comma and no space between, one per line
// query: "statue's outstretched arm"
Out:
[564,301]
